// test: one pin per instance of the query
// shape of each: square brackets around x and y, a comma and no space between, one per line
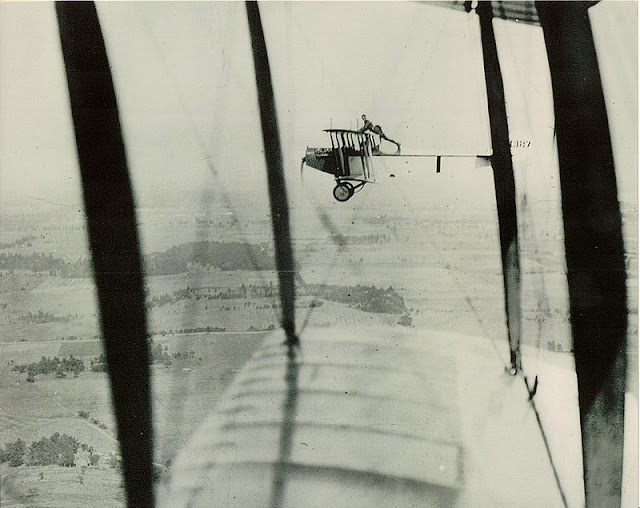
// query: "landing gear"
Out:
[343,191]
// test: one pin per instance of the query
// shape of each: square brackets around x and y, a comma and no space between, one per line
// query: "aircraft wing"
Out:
[512,10]
[524,12]
[385,417]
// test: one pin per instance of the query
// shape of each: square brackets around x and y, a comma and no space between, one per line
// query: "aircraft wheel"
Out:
[343,191]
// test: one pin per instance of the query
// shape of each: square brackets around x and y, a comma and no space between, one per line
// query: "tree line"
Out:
[23,241]
[366,298]
[59,449]
[50,365]
[223,256]
[41,262]
[369,239]
[177,259]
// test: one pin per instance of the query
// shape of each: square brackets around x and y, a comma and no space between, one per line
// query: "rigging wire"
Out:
[543,307]
[336,237]
[441,260]
[177,399]
[545,440]
[203,146]
[506,204]
[501,358]
[430,51]
[527,219]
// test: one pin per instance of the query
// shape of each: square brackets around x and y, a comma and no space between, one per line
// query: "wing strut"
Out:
[504,182]
[113,239]
[593,243]
[275,173]
[282,238]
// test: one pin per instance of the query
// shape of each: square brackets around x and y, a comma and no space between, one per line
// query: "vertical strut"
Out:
[113,238]
[504,182]
[275,173]
[284,251]
[593,243]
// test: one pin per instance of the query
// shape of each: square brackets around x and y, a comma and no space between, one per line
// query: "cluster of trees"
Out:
[197,329]
[99,363]
[59,449]
[41,262]
[97,423]
[23,241]
[41,317]
[554,346]
[223,256]
[366,298]
[405,320]
[256,329]
[467,228]
[211,293]
[185,355]
[314,303]
[50,365]
[370,239]
[160,355]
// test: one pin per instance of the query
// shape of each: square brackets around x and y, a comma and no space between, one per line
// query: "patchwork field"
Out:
[81,407]
[439,273]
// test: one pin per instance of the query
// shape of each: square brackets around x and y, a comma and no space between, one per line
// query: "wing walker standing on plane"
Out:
[350,158]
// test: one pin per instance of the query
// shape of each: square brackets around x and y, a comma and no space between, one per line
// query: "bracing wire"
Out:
[326,221]
[201,141]
[467,298]
[556,476]
[527,213]
[430,51]
[177,398]
[506,204]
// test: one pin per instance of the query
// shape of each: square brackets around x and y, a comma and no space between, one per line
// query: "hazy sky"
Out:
[186,89]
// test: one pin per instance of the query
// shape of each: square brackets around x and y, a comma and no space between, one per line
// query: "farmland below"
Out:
[211,303]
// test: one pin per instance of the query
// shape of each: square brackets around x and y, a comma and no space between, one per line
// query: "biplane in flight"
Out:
[373,417]
[350,160]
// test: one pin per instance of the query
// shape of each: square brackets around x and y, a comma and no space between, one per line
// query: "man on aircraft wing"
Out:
[376,129]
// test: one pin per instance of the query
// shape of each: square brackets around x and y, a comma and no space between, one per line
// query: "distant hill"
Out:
[365,298]
[224,256]
[41,262]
